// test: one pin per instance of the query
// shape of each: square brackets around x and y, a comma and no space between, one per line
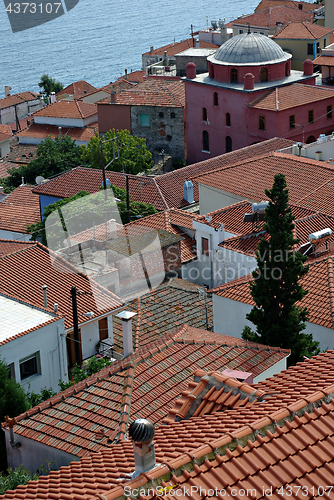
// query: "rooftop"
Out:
[22,153]
[176,47]
[302,31]
[41,131]
[294,4]
[19,210]
[5,132]
[291,96]
[11,100]
[271,16]
[68,109]
[75,88]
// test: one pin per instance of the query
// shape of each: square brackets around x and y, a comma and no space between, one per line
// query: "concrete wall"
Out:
[273,370]
[229,317]
[7,115]
[113,116]
[66,122]
[329,14]
[12,235]
[49,344]
[4,148]
[45,201]
[97,96]
[211,198]
[33,454]
[298,49]
[163,132]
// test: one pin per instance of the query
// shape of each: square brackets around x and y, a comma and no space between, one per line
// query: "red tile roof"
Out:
[4,166]
[324,60]
[291,96]
[318,281]
[24,272]
[294,4]
[40,131]
[5,132]
[77,88]
[11,246]
[22,153]
[122,84]
[250,178]
[176,47]
[19,210]
[285,442]
[271,16]
[145,385]
[68,109]
[152,92]
[302,31]
[134,76]
[11,100]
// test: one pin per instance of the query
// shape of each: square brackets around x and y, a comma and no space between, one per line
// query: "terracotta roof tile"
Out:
[41,131]
[134,76]
[175,48]
[294,4]
[68,109]
[11,100]
[291,96]
[77,88]
[302,31]
[5,132]
[271,16]
[5,166]
[22,153]
[19,210]
[24,272]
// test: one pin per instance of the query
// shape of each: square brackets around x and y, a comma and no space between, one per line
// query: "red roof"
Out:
[150,379]
[25,271]
[250,178]
[291,96]
[5,132]
[302,31]
[273,15]
[294,4]
[282,443]
[5,165]
[19,210]
[41,131]
[176,47]
[152,92]
[324,60]
[11,100]
[134,76]
[68,109]
[80,87]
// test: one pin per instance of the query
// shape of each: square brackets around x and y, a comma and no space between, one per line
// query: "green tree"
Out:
[276,289]
[48,84]
[15,477]
[133,154]
[54,156]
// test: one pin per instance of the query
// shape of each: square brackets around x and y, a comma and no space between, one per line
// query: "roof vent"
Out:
[188,192]
[142,432]
[208,218]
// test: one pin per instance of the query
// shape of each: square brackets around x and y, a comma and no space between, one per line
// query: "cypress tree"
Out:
[275,290]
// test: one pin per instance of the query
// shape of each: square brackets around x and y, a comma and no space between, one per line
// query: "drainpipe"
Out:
[11,422]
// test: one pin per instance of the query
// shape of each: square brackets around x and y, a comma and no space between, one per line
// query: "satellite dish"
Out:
[39,179]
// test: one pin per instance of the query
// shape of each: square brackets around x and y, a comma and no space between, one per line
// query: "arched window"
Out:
[228,120]
[286,69]
[310,139]
[205,141]
[264,75]
[228,144]
[215,99]
[234,75]
[204,114]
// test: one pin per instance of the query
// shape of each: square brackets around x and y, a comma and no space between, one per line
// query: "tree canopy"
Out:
[275,290]
[54,156]
[48,84]
[133,154]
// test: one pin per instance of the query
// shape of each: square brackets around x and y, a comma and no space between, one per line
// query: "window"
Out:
[300,6]
[205,246]
[70,343]
[30,366]
[318,48]
[310,49]
[292,121]
[311,116]
[228,142]
[264,75]
[168,137]
[161,114]
[241,31]
[206,141]
[215,99]
[234,75]
[172,115]
[325,42]
[329,111]
[261,123]
[11,370]
[103,328]
[228,120]
[204,114]
[144,120]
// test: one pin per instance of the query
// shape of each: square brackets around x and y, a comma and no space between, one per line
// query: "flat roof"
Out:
[17,317]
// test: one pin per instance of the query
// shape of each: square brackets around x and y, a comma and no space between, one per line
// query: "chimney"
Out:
[11,422]
[7,90]
[113,97]
[55,307]
[59,130]
[1,190]
[112,228]
[188,192]
[22,184]
[45,296]
[53,97]
[126,317]
[197,43]
[151,48]
[142,432]
[126,73]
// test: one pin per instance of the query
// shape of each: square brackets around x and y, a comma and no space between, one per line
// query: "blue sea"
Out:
[98,39]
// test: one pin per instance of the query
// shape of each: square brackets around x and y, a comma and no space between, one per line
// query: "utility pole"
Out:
[102,166]
[75,325]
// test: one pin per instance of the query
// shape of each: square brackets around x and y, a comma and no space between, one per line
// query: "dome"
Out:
[249,49]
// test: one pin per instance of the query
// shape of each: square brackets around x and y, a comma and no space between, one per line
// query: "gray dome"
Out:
[248,49]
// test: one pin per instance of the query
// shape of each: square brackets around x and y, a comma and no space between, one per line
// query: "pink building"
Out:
[249,95]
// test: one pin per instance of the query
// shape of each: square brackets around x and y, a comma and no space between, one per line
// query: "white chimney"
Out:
[53,97]
[188,192]
[7,90]
[126,317]
[112,228]
[197,44]
[45,296]
[142,432]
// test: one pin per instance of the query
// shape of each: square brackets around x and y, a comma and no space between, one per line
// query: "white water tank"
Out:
[320,234]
